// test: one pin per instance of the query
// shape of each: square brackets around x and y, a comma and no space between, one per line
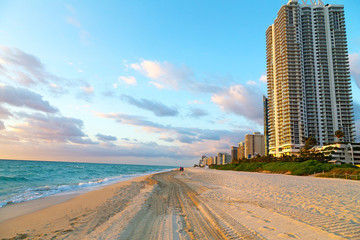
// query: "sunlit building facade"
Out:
[309,89]
[254,145]
[241,150]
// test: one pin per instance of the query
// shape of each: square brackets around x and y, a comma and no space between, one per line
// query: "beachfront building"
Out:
[220,158]
[215,160]
[223,158]
[241,150]
[266,124]
[226,158]
[234,154]
[308,76]
[342,152]
[254,145]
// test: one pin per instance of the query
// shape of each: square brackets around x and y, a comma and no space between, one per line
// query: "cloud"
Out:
[155,107]
[181,134]
[164,74]
[50,129]
[251,83]
[25,69]
[105,138]
[354,60]
[197,112]
[2,125]
[195,102]
[167,139]
[83,34]
[157,85]
[187,139]
[263,79]
[127,80]
[22,97]
[87,92]
[4,113]
[87,89]
[130,120]
[56,89]
[241,100]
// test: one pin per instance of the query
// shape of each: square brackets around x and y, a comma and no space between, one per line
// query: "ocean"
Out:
[22,181]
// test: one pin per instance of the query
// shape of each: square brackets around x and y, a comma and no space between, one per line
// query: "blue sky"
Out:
[142,82]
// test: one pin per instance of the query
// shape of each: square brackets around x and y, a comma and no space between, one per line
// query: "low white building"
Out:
[342,152]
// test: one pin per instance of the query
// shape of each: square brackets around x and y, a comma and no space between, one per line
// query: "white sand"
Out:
[282,206]
[202,204]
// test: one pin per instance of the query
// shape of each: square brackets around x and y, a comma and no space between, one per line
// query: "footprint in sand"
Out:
[264,220]
[288,235]
[267,228]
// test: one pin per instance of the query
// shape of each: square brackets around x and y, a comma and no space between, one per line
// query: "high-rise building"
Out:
[220,157]
[266,124]
[309,90]
[254,145]
[241,150]
[234,154]
[226,158]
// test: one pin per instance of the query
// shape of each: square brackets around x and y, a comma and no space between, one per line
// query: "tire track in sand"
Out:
[173,211]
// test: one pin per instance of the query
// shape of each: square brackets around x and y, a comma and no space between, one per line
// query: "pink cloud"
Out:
[164,74]
[127,80]
[241,100]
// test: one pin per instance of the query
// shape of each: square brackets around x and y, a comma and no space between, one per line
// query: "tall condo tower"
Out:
[309,89]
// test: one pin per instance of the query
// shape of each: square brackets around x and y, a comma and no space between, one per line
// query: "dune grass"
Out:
[294,168]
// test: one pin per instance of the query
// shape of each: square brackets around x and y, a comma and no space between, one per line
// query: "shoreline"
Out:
[17,209]
[201,204]
[14,210]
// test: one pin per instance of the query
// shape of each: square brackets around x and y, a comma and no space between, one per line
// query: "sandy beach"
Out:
[196,204]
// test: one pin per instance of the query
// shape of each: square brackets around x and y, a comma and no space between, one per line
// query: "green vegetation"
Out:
[294,168]
[308,162]
[347,172]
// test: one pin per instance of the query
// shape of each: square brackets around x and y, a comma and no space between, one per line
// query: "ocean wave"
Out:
[15,178]
[45,191]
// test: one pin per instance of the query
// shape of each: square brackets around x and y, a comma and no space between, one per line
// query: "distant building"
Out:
[342,152]
[241,150]
[202,161]
[254,145]
[220,158]
[226,158]
[234,154]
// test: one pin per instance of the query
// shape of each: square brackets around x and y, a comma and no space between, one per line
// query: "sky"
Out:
[137,82]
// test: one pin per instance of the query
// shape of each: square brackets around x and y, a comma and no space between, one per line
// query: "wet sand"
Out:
[201,204]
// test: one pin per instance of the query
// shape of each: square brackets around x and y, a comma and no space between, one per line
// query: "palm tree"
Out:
[339,134]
